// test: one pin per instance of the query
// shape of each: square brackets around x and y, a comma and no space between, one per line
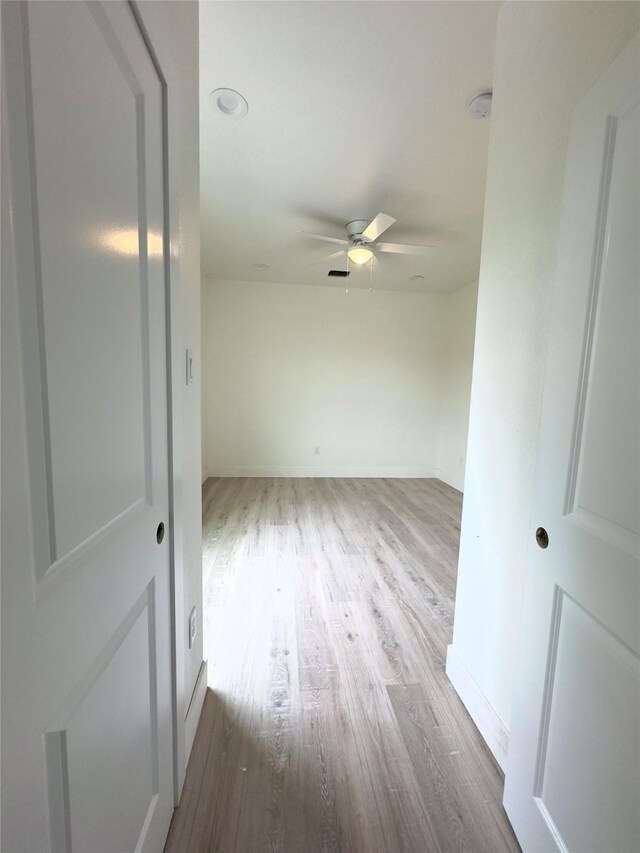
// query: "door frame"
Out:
[162,62]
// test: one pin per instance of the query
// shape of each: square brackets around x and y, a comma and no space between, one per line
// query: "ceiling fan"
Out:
[362,237]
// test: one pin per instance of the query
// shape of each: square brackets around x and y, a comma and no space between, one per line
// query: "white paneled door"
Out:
[573,773]
[87,755]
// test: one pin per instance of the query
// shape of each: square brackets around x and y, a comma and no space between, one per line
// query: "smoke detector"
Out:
[479,105]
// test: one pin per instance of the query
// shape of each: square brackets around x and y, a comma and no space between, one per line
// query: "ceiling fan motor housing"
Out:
[354,232]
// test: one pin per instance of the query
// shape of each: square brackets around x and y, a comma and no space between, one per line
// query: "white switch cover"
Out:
[193,627]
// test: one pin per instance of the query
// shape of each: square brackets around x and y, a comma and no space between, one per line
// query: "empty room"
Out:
[320,461]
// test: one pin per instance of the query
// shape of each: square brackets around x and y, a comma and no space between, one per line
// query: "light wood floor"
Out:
[330,724]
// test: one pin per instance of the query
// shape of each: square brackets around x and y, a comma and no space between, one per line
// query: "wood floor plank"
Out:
[330,725]
[320,772]
[317,664]
[443,763]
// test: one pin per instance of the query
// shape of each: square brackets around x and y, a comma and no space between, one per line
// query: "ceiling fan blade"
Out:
[405,249]
[326,258]
[377,226]
[322,237]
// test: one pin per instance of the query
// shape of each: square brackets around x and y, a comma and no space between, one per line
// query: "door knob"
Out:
[542,537]
[160,533]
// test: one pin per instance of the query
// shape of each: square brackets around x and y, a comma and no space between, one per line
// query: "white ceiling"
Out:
[354,108]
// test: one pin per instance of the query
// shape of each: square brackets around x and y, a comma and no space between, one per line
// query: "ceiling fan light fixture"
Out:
[360,255]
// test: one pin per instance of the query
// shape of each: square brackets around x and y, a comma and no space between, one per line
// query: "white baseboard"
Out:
[456,481]
[490,726]
[205,476]
[319,471]
[195,709]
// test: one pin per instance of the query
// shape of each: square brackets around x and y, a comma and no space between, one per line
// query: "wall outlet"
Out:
[316,450]
[193,627]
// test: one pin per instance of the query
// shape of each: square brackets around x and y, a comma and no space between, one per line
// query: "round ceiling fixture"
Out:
[360,255]
[479,105]
[260,266]
[229,103]
[416,278]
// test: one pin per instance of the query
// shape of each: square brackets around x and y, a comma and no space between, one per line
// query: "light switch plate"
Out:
[193,627]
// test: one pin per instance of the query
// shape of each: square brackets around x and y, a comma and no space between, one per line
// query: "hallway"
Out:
[330,724]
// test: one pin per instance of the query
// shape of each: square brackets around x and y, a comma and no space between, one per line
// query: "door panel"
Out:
[573,772]
[92,293]
[102,726]
[607,450]
[104,442]
[595,675]
[86,639]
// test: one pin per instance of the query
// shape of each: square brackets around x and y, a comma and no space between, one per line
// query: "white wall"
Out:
[457,361]
[291,368]
[547,56]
